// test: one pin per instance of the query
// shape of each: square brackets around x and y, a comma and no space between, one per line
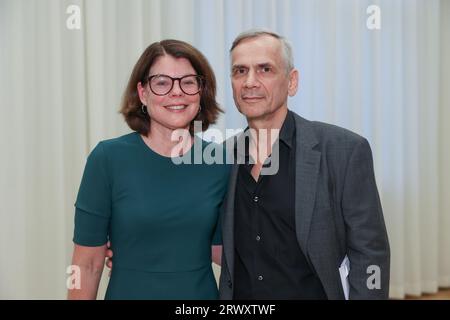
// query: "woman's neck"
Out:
[166,141]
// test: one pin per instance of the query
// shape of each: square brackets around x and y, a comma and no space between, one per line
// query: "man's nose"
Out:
[251,80]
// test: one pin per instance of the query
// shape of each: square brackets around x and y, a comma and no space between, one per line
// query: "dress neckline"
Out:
[158,155]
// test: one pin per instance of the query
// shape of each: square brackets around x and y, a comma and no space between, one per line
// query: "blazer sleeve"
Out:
[367,241]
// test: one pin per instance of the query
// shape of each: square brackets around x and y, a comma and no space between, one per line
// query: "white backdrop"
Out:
[60,91]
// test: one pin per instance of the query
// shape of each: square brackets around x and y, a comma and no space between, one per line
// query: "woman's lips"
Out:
[176,108]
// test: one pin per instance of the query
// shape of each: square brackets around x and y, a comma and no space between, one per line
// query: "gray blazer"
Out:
[337,213]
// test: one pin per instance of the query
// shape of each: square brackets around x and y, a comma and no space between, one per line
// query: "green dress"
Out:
[161,218]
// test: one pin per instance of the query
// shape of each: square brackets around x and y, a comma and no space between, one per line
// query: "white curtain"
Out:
[60,91]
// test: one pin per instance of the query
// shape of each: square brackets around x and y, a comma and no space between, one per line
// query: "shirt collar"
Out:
[287,135]
[287,131]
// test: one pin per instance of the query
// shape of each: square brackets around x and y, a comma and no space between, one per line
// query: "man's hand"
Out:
[109,255]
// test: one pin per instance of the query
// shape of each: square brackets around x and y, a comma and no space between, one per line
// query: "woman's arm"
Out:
[90,260]
[216,255]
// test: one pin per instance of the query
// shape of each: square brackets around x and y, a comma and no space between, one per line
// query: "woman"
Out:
[160,217]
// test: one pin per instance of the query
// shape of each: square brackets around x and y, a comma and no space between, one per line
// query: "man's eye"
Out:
[240,71]
[266,69]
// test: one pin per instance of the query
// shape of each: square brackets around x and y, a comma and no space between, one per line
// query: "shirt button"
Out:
[260,278]
[258,238]
[255,199]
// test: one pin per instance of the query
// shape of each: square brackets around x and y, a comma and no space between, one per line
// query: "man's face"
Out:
[258,76]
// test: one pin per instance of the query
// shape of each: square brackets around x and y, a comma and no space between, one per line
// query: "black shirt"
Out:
[269,263]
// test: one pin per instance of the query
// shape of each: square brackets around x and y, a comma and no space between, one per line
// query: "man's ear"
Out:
[293,82]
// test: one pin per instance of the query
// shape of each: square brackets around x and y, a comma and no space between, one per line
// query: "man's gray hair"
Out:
[285,45]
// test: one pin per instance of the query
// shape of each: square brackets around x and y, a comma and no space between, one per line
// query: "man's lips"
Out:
[252,98]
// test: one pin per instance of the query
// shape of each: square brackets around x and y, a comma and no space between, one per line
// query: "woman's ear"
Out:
[142,93]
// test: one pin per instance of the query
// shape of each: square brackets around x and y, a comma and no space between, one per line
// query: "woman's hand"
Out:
[216,255]
[109,255]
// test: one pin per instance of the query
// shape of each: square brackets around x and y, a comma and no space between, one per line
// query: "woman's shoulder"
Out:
[118,144]
[114,148]
[125,139]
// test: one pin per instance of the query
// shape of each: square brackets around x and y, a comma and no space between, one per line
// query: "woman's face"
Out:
[176,109]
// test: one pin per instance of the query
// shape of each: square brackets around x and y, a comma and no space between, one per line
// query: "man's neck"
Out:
[264,133]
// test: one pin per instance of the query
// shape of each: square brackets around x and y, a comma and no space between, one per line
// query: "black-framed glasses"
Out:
[162,84]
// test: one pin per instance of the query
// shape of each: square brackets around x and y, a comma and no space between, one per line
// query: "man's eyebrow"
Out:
[259,65]
[264,64]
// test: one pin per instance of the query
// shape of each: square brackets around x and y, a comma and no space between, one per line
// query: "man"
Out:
[295,233]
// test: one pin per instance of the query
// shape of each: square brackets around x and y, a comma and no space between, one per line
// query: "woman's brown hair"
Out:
[131,104]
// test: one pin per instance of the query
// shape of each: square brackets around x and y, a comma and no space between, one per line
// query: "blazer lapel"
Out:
[306,173]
